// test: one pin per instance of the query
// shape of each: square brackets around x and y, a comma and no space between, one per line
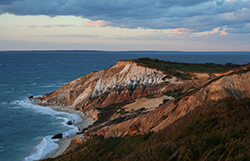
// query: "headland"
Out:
[144,97]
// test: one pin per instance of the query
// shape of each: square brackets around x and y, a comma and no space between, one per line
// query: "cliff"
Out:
[124,81]
[116,84]
[139,96]
[235,86]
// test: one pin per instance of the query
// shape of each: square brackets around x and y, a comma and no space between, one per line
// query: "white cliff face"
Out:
[130,75]
[125,74]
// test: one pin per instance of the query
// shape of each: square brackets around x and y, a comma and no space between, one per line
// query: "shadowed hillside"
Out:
[215,131]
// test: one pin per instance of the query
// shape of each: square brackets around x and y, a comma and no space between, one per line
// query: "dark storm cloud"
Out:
[198,15]
[7,2]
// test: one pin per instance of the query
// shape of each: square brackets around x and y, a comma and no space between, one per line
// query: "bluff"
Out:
[143,95]
[124,81]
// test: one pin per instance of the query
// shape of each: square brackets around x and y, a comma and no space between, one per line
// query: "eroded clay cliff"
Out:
[124,81]
[236,86]
[132,83]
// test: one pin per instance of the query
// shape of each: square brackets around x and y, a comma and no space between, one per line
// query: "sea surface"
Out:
[26,128]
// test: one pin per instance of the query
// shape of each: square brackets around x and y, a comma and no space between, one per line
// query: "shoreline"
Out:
[65,141]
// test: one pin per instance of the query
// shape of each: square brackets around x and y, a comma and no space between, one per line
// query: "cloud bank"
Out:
[188,15]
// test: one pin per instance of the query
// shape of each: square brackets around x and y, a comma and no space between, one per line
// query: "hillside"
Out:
[143,98]
[215,131]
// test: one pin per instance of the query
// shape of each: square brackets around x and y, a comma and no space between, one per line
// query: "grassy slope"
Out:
[186,67]
[174,68]
[218,130]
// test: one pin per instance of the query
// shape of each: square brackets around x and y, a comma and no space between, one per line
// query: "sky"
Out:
[115,25]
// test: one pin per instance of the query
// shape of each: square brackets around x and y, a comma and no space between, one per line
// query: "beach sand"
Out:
[64,142]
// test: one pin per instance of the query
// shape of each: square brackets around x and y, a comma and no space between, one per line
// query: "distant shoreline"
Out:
[128,51]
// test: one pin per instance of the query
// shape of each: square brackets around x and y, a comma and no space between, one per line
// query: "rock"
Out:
[81,131]
[37,99]
[30,98]
[70,122]
[57,136]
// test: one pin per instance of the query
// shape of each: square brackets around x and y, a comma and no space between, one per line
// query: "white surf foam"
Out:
[47,144]
[47,110]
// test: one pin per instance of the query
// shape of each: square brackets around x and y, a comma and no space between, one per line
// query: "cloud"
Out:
[33,26]
[66,35]
[49,26]
[242,30]
[196,15]
[218,32]
[98,23]
[156,36]
[7,2]
[63,25]
[182,30]
[157,31]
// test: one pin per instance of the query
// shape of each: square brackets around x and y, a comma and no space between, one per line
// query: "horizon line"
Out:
[58,50]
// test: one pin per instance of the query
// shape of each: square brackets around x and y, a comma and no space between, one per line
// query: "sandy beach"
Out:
[64,142]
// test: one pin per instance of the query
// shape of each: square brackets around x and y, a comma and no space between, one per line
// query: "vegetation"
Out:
[107,112]
[181,70]
[174,93]
[215,131]
[242,70]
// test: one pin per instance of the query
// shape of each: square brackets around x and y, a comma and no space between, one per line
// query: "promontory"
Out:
[148,109]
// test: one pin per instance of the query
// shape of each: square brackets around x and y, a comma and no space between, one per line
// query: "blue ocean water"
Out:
[26,128]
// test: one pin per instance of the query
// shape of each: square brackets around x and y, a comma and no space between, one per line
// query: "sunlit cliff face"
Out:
[125,76]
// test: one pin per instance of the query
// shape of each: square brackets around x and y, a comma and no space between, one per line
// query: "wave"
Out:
[47,110]
[41,150]
[48,145]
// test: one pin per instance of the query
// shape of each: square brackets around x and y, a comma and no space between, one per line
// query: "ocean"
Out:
[27,128]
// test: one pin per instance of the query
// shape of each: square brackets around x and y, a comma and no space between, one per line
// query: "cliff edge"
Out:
[143,95]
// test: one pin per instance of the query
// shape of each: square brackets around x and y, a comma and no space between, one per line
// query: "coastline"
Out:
[65,142]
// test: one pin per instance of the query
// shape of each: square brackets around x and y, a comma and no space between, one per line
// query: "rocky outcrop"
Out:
[57,136]
[70,122]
